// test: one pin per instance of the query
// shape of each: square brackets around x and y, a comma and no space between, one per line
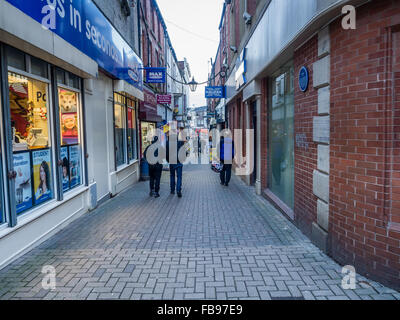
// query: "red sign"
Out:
[164,99]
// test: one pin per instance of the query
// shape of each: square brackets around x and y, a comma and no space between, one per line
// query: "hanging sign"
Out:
[164,99]
[215,92]
[155,75]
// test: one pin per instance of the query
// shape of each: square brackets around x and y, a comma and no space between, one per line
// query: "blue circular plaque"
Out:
[304,79]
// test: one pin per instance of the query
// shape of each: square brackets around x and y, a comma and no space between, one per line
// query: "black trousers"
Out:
[155,172]
[226,173]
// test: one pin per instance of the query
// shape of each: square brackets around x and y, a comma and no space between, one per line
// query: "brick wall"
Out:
[305,160]
[364,177]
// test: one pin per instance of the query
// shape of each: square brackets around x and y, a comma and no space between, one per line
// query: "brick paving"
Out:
[214,243]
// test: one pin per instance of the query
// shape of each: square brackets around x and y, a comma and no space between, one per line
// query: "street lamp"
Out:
[193,85]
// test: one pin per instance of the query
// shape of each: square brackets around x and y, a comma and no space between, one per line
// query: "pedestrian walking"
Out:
[155,169]
[226,155]
[175,150]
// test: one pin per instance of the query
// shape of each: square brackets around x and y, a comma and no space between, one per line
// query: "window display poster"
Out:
[75,166]
[65,168]
[42,176]
[23,189]
[69,128]
[68,101]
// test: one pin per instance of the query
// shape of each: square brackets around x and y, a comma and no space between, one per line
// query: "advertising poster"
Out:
[69,128]
[65,168]
[42,176]
[75,165]
[23,187]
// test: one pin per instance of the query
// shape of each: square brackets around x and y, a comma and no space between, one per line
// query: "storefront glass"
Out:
[281,139]
[132,129]
[120,126]
[31,141]
[69,108]
[146,137]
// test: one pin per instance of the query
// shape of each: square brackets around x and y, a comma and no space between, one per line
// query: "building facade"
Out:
[322,100]
[72,92]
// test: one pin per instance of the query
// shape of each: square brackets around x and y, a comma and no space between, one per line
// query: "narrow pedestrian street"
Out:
[216,242]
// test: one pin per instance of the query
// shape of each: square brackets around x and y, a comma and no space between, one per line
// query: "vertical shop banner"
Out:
[42,176]
[84,26]
[23,186]
[65,168]
[75,165]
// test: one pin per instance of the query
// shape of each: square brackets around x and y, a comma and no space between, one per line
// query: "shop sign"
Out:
[82,24]
[217,92]
[304,79]
[164,99]
[155,75]
[241,69]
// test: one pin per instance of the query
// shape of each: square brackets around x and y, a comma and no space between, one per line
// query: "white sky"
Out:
[201,18]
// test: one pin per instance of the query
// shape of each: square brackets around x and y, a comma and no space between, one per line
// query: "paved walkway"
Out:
[214,243]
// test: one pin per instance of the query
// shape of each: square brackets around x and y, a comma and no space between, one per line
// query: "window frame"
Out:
[125,108]
[81,137]
[52,142]
[11,218]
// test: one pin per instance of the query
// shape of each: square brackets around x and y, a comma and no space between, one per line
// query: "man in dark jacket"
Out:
[175,155]
[155,169]
[226,155]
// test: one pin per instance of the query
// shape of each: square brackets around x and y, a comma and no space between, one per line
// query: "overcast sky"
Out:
[193,28]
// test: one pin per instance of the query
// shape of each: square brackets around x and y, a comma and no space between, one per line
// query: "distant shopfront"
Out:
[150,120]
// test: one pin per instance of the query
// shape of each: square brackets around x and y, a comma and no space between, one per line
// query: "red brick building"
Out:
[328,155]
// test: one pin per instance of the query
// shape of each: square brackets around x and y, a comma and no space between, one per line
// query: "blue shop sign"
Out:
[155,75]
[82,24]
[215,92]
[304,79]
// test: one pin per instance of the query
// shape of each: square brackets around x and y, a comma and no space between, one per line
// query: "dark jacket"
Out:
[228,144]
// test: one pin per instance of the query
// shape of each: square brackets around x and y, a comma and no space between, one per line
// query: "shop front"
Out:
[150,120]
[57,121]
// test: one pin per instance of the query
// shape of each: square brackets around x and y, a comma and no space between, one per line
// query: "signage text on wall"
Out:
[82,24]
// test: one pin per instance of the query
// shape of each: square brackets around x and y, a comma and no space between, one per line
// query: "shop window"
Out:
[281,136]
[60,74]
[30,141]
[147,129]
[39,67]
[73,81]
[132,131]
[16,58]
[120,129]
[71,150]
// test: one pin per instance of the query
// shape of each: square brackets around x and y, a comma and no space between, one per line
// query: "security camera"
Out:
[247,17]
[233,48]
